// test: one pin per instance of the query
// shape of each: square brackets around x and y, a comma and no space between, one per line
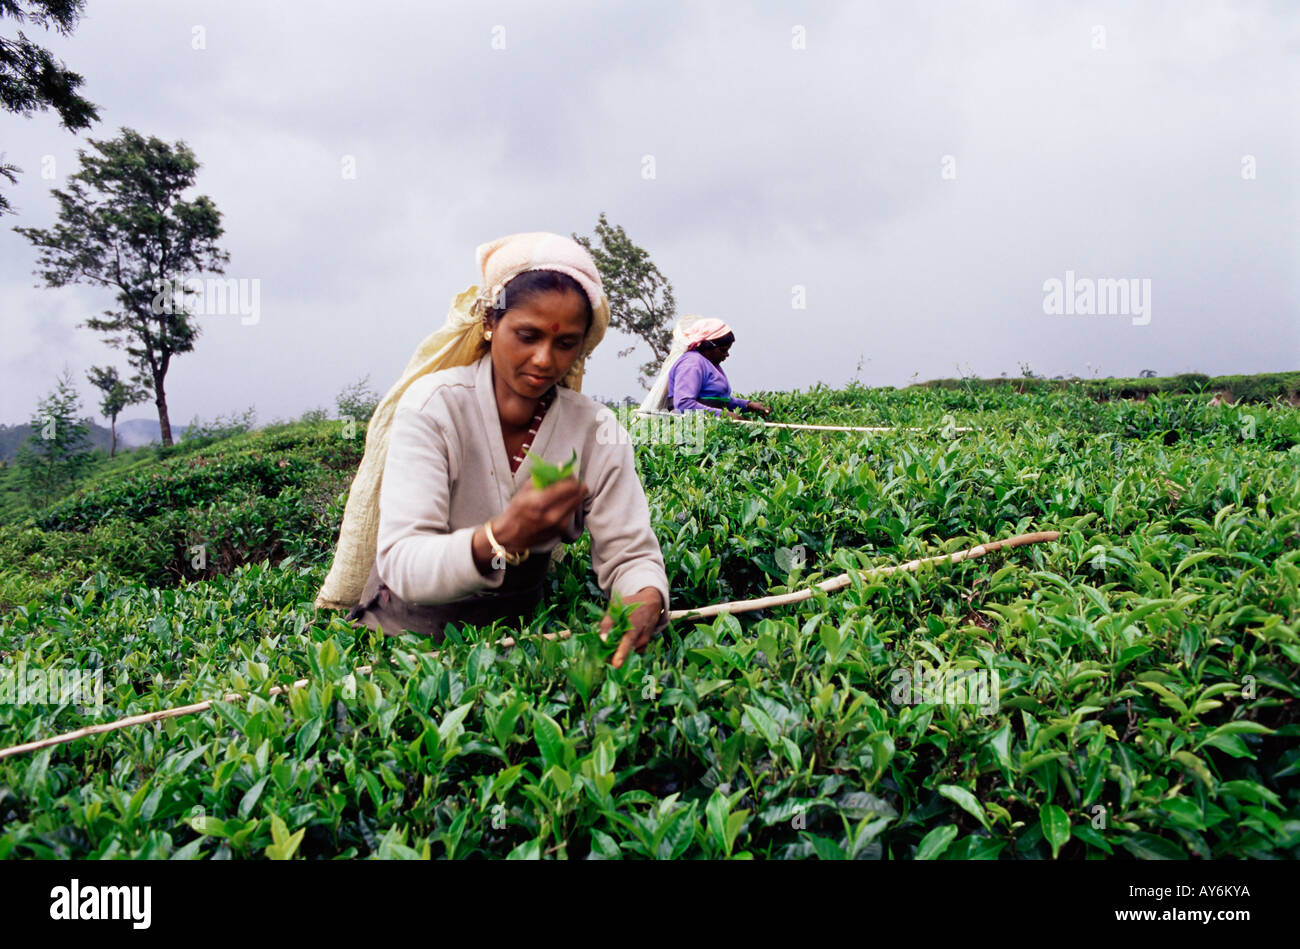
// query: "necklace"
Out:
[543,404]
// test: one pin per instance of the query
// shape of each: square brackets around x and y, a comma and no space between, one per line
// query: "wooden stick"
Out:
[808,427]
[180,710]
[830,428]
[141,720]
[843,580]
[737,606]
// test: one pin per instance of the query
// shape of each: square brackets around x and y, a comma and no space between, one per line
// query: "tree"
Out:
[117,396]
[640,297]
[30,79]
[220,427]
[358,401]
[57,452]
[135,234]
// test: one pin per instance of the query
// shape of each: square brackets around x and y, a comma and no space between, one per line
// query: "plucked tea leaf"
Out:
[545,474]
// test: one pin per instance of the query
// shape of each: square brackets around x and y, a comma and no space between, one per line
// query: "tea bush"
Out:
[1263,387]
[1143,666]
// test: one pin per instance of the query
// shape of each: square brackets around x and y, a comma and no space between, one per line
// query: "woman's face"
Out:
[717,354]
[536,343]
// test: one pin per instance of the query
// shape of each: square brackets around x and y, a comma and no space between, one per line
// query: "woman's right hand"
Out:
[535,516]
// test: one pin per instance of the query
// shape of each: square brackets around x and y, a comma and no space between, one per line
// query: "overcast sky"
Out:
[921,170]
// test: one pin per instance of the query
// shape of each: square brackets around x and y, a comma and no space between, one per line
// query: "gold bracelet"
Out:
[513,560]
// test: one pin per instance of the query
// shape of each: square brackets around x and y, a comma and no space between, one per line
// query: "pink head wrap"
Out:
[701,330]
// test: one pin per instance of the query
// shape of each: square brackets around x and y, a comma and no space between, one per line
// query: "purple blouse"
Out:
[692,377]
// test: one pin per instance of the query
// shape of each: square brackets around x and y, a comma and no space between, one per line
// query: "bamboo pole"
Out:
[844,579]
[141,719]
[830,428]
[807,427]
[146,717]
[736,606]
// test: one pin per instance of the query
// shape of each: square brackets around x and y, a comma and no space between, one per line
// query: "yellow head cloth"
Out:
[458,342]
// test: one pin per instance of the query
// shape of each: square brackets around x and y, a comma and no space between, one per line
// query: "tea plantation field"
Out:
[1144,664]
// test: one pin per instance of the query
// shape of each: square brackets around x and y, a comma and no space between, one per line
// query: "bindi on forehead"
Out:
[555,327]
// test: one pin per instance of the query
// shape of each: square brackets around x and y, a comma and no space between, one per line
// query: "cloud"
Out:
[775,167]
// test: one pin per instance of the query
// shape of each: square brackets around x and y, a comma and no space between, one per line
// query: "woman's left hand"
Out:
[644,620]
[759,407]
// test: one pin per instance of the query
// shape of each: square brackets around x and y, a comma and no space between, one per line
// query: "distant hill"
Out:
[130,434]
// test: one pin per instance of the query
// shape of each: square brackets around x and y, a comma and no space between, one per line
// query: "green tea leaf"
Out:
[825,848]
[603,847]
[545,474]
[550,740]
[936,842]
[528,850]
[966,801]
[251,797]
[1055,825]
[1150,847]
[761,722]
[284,845]
[451,721]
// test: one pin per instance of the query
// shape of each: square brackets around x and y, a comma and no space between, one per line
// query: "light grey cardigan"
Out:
[447,473]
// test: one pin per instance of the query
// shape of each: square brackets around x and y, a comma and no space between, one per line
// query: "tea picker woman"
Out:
[443,523]
[692,379]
